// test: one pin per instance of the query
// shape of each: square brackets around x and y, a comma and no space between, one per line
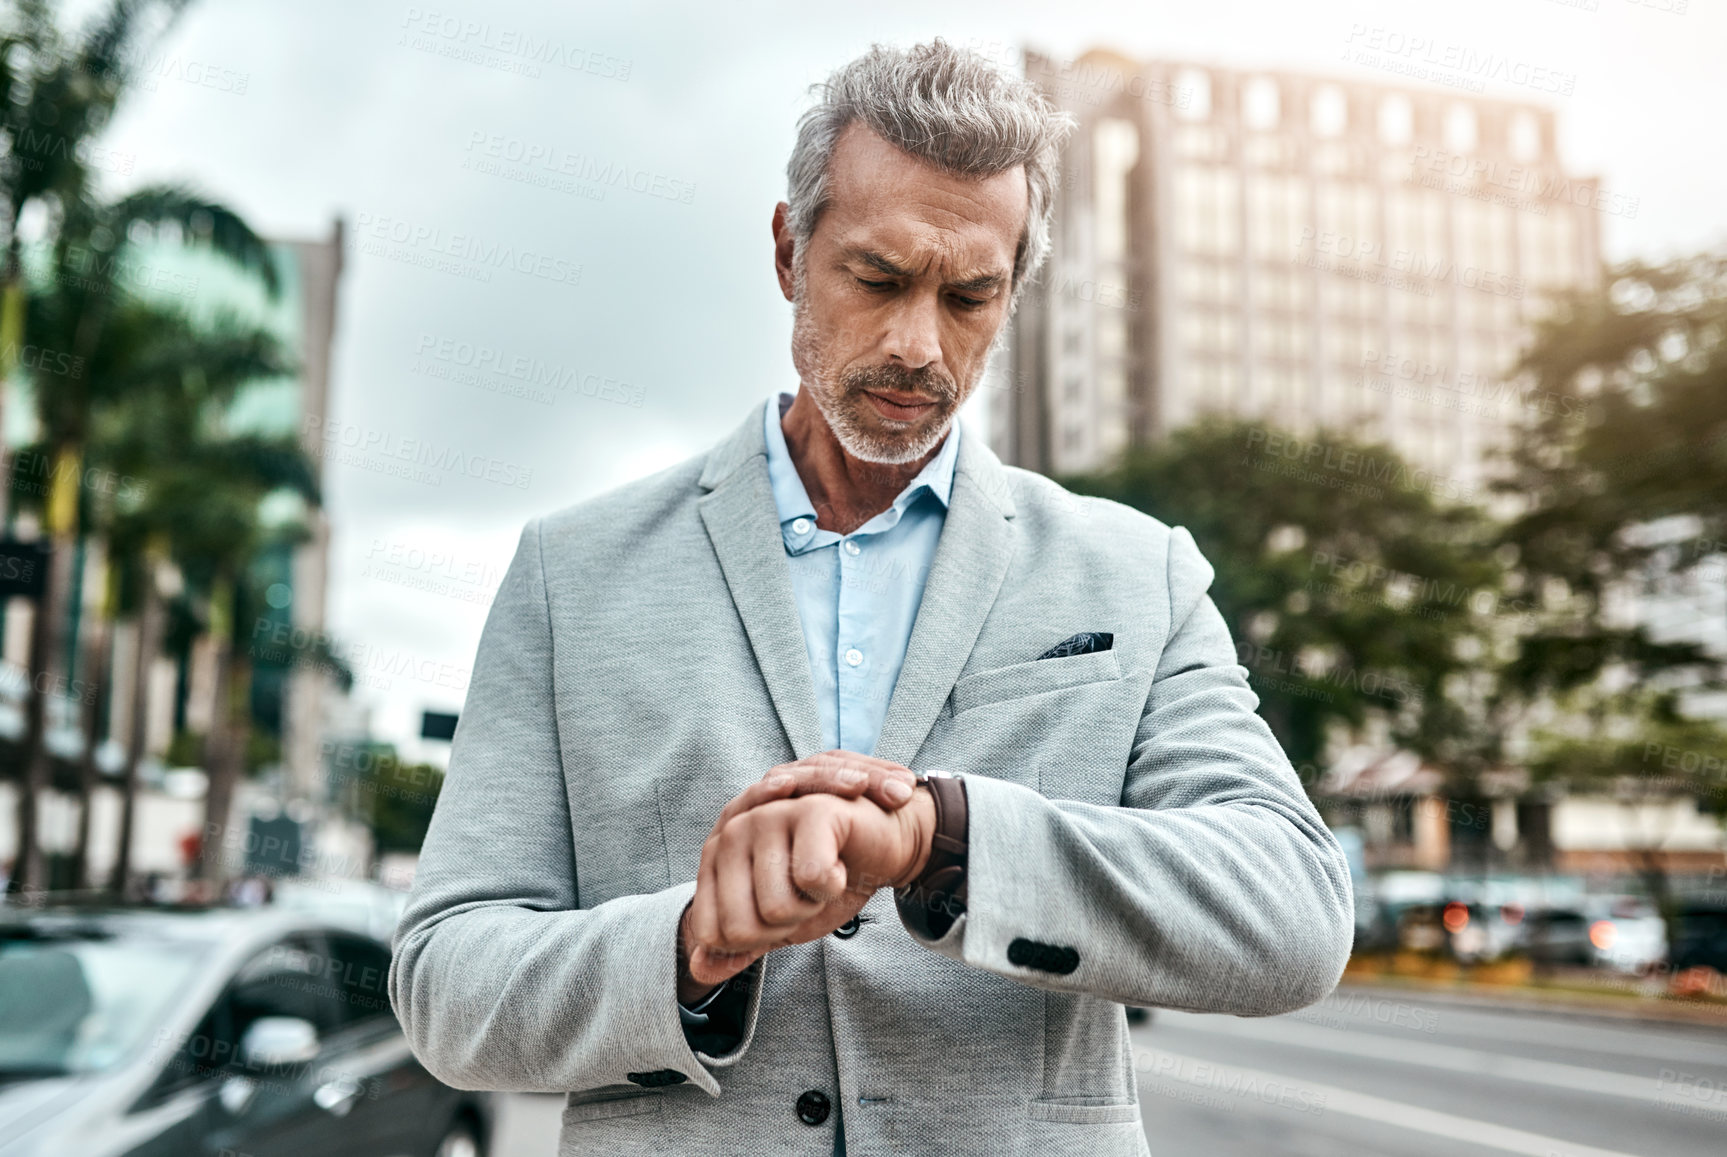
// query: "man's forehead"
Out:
[908,206]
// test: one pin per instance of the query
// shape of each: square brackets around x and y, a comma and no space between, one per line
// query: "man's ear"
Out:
[784,247]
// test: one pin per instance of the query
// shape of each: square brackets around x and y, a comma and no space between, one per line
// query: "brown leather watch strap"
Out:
[930,904]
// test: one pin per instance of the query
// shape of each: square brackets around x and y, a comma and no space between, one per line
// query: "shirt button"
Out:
[800,526]
[813,1107]
[845,932]
[854,657]
[851,547]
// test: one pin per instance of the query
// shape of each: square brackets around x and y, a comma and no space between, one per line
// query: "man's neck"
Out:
[846,491]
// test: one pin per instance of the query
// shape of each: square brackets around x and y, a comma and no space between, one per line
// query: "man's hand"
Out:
[843,773]
[788,871]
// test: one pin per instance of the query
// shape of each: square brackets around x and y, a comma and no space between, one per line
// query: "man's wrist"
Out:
[935,895]
[690,990]
[919,813]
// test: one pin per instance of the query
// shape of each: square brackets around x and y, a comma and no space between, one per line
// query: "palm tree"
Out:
[212,499]
[198,504]
[125,360]
[170,381]
[57,93]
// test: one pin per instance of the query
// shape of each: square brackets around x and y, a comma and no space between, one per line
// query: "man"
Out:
[665,878]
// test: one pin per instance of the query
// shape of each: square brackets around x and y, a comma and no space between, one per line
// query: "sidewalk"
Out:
[1535,998]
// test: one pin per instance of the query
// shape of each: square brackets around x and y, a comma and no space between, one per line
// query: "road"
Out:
[1371,1074]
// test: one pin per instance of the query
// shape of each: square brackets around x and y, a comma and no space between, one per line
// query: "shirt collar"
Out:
[793,501]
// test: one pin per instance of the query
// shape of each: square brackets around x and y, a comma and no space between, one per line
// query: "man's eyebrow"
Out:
[879,263]
[979,283]
[974,284]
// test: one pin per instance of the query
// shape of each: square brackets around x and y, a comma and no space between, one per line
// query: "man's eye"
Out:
[875,284]
[971,302]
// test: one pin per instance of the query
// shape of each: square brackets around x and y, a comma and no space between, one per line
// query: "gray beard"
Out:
[842,404]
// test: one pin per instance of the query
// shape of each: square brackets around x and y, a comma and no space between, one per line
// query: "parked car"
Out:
[1558,936]
[358,904]
[1464,931]
[153,1033]
[1701,937]
[1626,932]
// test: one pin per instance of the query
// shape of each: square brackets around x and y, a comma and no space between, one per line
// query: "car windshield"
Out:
[78,1003]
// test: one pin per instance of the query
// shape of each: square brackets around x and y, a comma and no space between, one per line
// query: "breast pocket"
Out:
[1063,727]
[1037,677]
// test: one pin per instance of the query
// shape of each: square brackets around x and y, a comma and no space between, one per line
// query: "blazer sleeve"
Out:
[501,978]
[1213,887]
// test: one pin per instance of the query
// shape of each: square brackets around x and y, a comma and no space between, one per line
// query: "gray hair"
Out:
[945,105]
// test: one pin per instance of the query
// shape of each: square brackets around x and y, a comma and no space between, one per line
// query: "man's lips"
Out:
[899,410]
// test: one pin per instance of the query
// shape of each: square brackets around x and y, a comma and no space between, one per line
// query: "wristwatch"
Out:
[931,903]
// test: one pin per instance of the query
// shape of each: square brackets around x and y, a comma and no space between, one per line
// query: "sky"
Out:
[440,134]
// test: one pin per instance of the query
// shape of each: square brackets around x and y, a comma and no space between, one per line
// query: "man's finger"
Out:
[844,774]
[777,784]
[815,854]
[704,924]
[778,900]
[740,926]
[711,966]
[887,784]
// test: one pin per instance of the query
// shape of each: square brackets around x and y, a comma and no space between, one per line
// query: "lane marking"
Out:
[1572,1078]
[1468,1130]
[1514,1026]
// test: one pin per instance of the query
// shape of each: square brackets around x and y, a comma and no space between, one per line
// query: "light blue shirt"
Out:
[857,596]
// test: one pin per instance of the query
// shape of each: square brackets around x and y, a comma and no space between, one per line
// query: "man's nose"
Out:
[914,337]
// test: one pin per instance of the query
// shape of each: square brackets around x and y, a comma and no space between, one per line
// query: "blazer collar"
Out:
[972,556]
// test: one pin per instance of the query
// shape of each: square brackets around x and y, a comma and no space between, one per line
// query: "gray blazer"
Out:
[1137,834]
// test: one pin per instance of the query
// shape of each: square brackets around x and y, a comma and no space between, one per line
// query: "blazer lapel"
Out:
[743,524]
[971,559]
[977,544]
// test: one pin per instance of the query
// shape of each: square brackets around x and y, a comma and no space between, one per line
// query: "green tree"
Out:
[1358,593]
[1618,498]
[57,93]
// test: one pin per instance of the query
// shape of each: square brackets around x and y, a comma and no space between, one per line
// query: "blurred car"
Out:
[1626,932]
[1701,937]
[1464,931]
[186,1033]
[1558,936]
[358,904]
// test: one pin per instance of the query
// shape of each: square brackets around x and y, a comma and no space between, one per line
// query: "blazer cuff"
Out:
[653,991]
[693,1014]
[1002,904]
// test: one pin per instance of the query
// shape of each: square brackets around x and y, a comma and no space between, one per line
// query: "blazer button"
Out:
[658,1079]
[813,1107]
[849,929]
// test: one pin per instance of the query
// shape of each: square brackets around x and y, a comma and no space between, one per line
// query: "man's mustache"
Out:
[926,382]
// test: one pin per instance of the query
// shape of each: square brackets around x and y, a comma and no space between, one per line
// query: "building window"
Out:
[1115,149]
[1206,208]
[1276,211]
[1396,120]
[1460,128]
[1193,94]
[1259,104]
[1330,111]
[1525,137]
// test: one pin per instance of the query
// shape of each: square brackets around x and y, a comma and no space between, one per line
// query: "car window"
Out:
[79,1000]
[360,969]
[285,979]
[288,979]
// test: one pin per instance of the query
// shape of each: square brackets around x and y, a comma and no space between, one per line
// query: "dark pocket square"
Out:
[1083,643]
